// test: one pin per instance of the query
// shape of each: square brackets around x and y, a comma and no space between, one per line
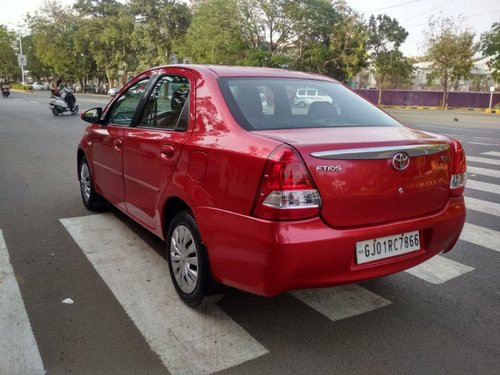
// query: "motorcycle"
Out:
[63,101]
[5,91]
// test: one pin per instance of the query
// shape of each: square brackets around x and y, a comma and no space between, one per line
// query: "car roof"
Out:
[247,71]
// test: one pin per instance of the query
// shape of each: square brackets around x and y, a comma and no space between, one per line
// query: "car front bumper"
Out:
[268,257]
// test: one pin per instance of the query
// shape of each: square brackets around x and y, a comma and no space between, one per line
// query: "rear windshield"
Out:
[282,103]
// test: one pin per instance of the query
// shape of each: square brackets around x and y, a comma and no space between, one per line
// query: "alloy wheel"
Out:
[184,259]
[85,181]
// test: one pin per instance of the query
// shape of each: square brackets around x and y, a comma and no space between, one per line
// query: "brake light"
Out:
[286,191]
[459,169]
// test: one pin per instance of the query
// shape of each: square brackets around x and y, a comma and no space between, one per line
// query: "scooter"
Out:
[62,102]
[5,91]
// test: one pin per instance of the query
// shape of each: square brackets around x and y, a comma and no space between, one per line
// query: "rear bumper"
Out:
[268,258]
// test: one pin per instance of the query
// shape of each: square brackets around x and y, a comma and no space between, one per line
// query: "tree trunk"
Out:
[380,85]
[444,101]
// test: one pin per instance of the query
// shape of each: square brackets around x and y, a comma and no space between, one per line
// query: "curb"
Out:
[482,110]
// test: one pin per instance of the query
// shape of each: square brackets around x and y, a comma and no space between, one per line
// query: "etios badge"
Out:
[400,161]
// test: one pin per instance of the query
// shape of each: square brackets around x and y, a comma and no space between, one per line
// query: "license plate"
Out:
[386,247]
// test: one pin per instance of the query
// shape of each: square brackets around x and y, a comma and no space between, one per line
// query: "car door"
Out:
[153,146]
[107,143]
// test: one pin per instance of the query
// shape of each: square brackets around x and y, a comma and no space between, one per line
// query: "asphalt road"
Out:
[440,320]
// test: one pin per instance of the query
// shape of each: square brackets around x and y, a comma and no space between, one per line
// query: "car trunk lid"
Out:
[372,175]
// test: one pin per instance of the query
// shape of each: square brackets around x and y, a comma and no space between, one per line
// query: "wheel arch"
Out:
[79,156]
[172,207]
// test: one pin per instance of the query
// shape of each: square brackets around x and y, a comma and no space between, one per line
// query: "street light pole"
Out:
[21,52]
[20,59]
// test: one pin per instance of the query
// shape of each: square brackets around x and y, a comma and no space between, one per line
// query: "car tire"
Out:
[91,199]
[188,263]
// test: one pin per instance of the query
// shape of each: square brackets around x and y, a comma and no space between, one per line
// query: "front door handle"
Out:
[167,151]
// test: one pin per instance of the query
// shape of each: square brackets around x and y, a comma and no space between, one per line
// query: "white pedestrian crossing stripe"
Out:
[18,349]
[439,269]
[476,159]
[341,302]
[481,236]
[491,153]
[482,206]
[483,186]
[481,143]
[186,340]
[126,263]
[483,171]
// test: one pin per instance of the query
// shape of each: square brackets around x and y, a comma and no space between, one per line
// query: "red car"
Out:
[251,190]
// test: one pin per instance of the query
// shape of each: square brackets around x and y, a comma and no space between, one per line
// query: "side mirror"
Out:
[92,115]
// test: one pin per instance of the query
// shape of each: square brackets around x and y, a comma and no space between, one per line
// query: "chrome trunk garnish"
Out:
[381,152]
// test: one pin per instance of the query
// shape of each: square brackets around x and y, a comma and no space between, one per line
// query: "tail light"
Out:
[286,191]
[459,169]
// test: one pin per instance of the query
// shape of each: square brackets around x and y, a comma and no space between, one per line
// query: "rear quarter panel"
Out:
[234,158]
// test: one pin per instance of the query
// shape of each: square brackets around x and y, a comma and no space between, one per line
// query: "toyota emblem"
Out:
[400,161]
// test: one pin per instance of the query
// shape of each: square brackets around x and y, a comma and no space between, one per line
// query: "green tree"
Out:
[108,25]
[159,25]
[313,22]
[215,35]
[346,55]
[269,30]
[450,50]
[53,28]
[8,60]
[490,47]
[385,36]
[402,73]
[36,68]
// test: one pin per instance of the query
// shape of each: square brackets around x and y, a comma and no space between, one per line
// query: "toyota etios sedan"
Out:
[253,191]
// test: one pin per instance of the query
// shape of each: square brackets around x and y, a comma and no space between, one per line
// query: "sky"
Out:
[411,14]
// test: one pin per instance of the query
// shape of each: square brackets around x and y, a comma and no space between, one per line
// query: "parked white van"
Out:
[304,97]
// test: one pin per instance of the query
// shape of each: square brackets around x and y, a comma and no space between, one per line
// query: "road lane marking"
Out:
[481,144]
[483,186]
[186,340]
[482,206]
[18,349]
[483,171]
[481,236]
[438,270]
[476,159]
[491,153]
[341,302]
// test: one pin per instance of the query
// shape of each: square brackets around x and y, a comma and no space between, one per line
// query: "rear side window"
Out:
[167,107]
[282,103]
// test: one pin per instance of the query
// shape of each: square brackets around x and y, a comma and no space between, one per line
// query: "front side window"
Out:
[283,103]
[124,108]
[167,105]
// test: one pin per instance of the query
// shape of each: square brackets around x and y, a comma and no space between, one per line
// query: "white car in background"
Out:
[113,90]
[40,86]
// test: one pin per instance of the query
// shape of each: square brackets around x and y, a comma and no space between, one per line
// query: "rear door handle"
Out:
[167,151]
[118,144]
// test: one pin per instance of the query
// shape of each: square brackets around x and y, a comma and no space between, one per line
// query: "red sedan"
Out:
[269,180]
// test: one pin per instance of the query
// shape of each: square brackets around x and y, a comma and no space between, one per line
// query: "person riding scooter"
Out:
[5,90]
[61,91]
[62,100]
